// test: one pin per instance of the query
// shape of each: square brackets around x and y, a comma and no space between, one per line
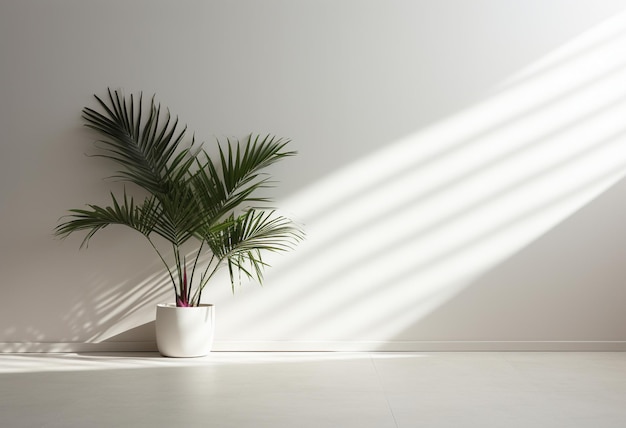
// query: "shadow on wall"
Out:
[394,236]
[113,304]
[111,312]
[112,299]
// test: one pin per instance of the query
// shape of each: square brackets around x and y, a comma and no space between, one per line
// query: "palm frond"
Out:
[241,165]
[141,218]
[147,147]
[242,242]
[235,181]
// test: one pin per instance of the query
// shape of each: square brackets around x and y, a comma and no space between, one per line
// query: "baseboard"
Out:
[71,347]
[328,346]
[422,346]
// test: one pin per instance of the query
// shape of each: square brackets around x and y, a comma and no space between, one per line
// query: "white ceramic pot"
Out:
[184,332]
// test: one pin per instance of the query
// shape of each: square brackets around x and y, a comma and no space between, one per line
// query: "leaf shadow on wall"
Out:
[106,297]
[118,302]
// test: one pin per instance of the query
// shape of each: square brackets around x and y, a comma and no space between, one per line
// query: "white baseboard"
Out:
[71,347]
[310,346]
[423,346]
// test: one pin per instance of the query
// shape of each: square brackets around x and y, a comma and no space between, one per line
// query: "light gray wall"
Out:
[459,172]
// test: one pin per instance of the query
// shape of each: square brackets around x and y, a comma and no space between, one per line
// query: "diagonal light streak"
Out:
[396,234]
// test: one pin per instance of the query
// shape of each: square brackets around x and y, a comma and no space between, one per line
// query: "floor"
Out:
[302,390]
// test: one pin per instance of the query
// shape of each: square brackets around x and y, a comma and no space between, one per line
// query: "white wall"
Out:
[459,172]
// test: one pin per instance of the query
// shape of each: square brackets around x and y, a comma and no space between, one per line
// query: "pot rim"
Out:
[173,306]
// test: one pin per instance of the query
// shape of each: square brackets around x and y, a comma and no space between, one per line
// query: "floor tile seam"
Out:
[382,389]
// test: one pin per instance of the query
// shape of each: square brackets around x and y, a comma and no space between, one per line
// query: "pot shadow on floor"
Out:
[568,285]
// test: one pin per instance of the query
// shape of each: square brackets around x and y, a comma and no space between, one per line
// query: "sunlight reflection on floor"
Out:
[32,363]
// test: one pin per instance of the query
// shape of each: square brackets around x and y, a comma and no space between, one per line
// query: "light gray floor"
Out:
[302,390]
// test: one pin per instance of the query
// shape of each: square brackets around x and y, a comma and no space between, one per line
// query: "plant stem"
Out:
[204,278]
[167,267]
[193,269]
[179,269]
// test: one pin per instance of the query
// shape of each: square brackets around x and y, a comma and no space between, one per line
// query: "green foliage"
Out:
[191,197]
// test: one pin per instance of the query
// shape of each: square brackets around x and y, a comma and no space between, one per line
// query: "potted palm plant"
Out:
[188,201]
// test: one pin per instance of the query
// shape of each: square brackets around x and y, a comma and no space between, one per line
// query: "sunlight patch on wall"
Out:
[393,236]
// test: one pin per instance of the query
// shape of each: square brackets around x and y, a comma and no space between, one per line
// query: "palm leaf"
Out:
[141,218]
[232,185]
[241,165]
[241,243]
[148,148]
